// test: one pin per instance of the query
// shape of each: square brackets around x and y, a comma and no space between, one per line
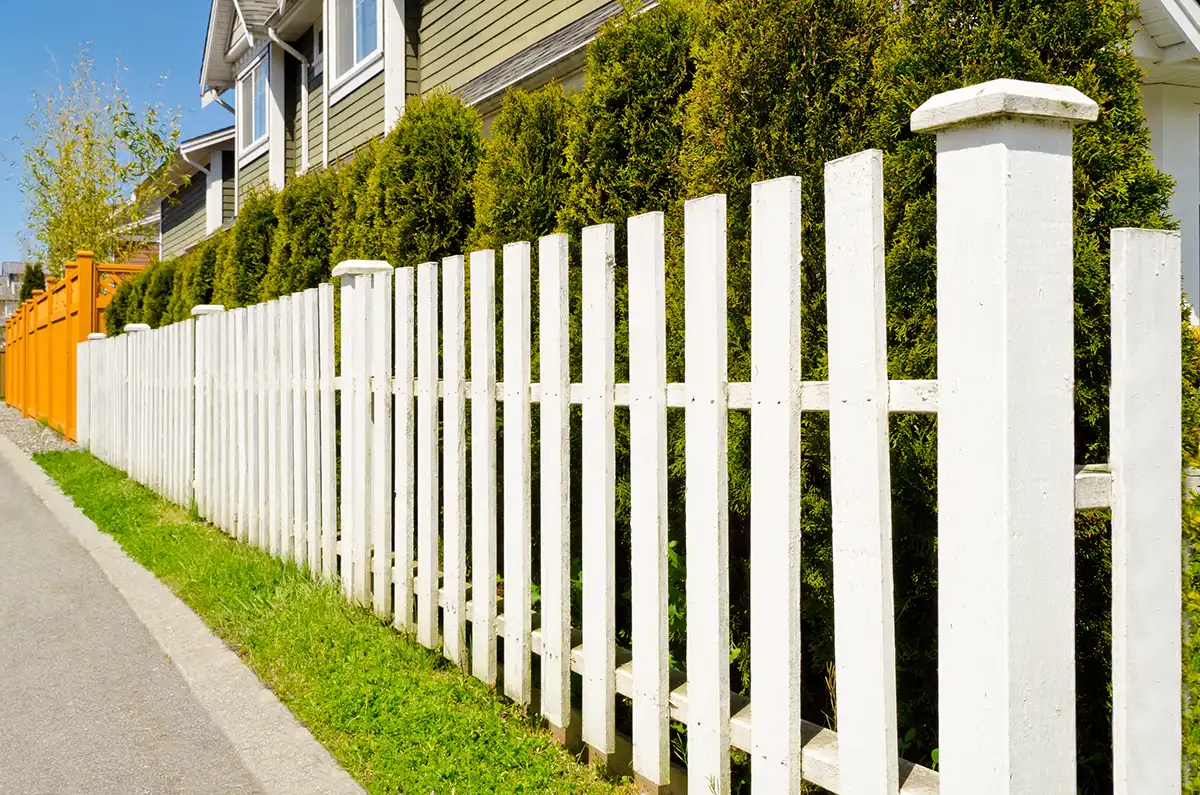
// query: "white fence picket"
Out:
[287,426]
[382,495]
[427,454]
[274,428]
[517,475]
[299,435]
[483,465]
[312,480]
[555,464]
[253,428]
[454,462]
[1146,511]
[405,434]
[599,491]
[328,462]
[775,485]
[241,369]
[648,487]
[861,488]
[707,513]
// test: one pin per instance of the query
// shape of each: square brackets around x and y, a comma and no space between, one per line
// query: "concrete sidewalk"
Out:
[89,701]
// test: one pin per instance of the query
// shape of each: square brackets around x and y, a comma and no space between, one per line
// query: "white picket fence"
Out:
[262,421]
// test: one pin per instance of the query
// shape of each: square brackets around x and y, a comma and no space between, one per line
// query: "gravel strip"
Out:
[30,435]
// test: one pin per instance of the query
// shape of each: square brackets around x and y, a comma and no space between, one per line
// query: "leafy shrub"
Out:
[158,280]
[246,251]
[418,199]
[521,185]
[352,239]
[302,243]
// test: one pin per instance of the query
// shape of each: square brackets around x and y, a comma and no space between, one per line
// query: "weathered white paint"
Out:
[599,491]
[328,432]
[864,616]
[648,485]
[775,478]
[427,455]
[518,683]
[554,426]
[707,513]
[454,462]
[483,463]
[405,431]
[1173,118]
[1006,442]
[1146,512]
[381,464]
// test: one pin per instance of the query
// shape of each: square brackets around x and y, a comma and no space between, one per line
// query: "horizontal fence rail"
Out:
[408,474]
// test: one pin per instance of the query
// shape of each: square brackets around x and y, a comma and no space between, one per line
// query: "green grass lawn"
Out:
[393,713]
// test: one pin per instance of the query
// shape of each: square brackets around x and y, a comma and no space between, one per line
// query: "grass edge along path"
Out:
[395,715]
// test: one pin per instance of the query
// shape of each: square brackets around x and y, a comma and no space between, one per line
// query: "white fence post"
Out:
[1146,511]
[775,485]
[1006,542]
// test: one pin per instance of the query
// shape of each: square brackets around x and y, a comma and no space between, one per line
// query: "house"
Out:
[313,80]
[310,81]
[199,199]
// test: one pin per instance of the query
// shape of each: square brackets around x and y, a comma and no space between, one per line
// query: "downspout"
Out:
[183,156]
[273,36]
[213,96]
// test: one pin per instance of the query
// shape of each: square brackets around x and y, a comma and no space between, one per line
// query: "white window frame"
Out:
[251,149]
[318,49]
[371,64]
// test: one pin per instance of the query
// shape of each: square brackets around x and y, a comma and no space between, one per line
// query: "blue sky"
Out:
[158,42]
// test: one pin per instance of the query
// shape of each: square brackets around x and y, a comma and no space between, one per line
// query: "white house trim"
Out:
[395,52]
[355,77]
[277,166]
[214,198]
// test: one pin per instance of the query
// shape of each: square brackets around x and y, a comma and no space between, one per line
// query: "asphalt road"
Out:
[88,702]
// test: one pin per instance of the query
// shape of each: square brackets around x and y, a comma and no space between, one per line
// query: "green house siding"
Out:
[252,176]
[316,119]
[184,215]
[356,119]
[228,164]
[291,114]
[412,64]
[461,39]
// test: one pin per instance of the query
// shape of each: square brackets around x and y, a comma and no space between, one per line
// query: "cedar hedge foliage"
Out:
[699,96]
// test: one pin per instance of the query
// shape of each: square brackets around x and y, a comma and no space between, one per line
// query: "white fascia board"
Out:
[1186,16]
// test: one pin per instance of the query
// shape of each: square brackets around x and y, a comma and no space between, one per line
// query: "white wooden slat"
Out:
[427,454]
[483,464]
[253,450]
[454,462]
[243,442]
[1146,511]
[707,484]
[599,491]
[263,403]
[349,353]
[554,419]
[328,420]
[287,383]
[864,615]
[360,405]
[202,424]
[226,425]
[517,475]
[189,352]
[382,494]
[648,509]
[312,471]
[273,428]
[299,436]
[404,434]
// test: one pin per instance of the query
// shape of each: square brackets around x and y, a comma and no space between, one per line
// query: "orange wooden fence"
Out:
[42,334]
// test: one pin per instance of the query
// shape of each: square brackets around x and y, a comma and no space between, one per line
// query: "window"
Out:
[318,54]
[253,101]
[356,28]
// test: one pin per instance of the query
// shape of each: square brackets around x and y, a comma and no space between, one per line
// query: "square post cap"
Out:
[97,336]
[130,327]
[207,309]
[360,267]
[1003,98]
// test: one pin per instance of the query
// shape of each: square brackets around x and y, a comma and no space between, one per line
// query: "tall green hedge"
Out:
[352,240]
[246,251]
[302,245]
[418,199]
[159,280]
